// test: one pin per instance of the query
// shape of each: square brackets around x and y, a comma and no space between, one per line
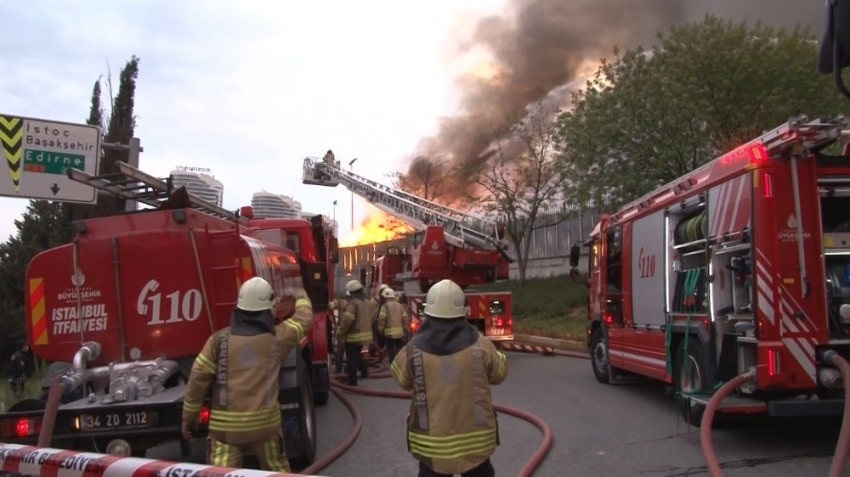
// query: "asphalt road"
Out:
[598,430]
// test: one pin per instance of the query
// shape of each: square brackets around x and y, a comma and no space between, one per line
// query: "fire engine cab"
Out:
[743,263]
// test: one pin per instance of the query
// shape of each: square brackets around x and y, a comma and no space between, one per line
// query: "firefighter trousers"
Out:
[270,453]
[354,362]
[394,345]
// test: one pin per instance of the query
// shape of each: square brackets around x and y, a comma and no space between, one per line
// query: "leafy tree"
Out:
[44,225]
[651,116]
[522,179]
[122,123]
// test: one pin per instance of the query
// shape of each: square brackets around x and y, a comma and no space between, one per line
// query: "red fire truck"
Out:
[123,310]
[447,244]
[489,312]
[742,263]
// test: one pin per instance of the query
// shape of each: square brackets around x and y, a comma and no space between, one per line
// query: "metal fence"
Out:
[554,232]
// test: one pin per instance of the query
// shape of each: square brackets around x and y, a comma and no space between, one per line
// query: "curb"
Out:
[510,346]
[551,343]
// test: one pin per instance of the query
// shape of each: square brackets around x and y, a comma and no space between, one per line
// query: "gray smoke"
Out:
[543,43]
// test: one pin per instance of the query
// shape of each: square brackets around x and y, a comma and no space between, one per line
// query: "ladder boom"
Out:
[133,184]
[460,228]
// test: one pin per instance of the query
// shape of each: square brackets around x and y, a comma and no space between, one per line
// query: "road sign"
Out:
[37,152]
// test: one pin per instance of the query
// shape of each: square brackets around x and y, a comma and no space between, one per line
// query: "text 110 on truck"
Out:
[742,264]
[123,310]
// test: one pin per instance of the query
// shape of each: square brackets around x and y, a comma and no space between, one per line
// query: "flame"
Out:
[377,227]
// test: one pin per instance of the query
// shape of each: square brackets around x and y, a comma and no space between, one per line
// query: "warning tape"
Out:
[528,348]
[49,462]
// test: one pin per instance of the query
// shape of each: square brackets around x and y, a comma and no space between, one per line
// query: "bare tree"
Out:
[429,176]
[521,180]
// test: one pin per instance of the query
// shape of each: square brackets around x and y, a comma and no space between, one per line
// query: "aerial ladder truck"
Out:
[447,244]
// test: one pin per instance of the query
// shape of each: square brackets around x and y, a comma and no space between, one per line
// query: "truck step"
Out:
[733,405]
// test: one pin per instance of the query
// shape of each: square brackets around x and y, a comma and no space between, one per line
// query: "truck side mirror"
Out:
[575,253]
[834,43]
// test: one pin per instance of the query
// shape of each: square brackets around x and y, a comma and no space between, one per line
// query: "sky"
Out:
[249,88]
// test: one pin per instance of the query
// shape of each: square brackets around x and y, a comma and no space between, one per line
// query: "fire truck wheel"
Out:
[599,356]
[306,423]
[690,377]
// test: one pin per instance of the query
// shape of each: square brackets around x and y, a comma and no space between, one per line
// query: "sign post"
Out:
[37,152]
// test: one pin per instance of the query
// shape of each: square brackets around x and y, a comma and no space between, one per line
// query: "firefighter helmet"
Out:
[388,293]
[255,295]
[383,287]
[353,286]
[445,300]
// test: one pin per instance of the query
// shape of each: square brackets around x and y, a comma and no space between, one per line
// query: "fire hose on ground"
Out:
[381,372]
[842,448]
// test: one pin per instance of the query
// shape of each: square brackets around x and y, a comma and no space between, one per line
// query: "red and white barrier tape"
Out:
[514,346]
[49,462]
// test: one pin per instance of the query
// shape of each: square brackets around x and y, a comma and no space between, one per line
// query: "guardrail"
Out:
[49,462]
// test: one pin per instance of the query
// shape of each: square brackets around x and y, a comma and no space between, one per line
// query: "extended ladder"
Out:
[802,135]
[132,184]
[460,228]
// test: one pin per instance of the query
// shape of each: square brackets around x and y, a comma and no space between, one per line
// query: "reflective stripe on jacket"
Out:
[452,425]
[243,371]
[356,324]
[391,319]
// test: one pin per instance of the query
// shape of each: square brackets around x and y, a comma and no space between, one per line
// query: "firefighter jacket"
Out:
[449,366]
[392,320]
[356,324]
[242,363]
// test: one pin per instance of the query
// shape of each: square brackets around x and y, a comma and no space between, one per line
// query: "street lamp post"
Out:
[335,227]
[351,165]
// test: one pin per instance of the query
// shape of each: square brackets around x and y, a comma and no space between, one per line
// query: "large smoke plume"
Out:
[540,45]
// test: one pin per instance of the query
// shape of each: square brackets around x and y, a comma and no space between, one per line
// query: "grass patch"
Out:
[554,307]
[32,388]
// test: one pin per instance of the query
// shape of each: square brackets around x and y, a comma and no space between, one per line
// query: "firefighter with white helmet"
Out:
[355,329]
[392,321]
[450,366]
[242,364]
[379,303]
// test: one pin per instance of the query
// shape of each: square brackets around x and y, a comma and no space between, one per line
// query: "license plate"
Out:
[115,420]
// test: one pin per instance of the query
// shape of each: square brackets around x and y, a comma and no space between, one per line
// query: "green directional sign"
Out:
[47,162]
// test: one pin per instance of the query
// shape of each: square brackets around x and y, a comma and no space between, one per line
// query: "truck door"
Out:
[612,294]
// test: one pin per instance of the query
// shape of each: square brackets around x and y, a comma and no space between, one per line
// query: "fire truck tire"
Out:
[306,423]
[136,450]
[599,356]
[696,382]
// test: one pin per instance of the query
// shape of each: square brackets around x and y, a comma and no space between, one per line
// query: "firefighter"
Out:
[392,320]
[450,366]
[355,330]
[19,368]
[378,300]
[339,346]
[242,363]
[329,158]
